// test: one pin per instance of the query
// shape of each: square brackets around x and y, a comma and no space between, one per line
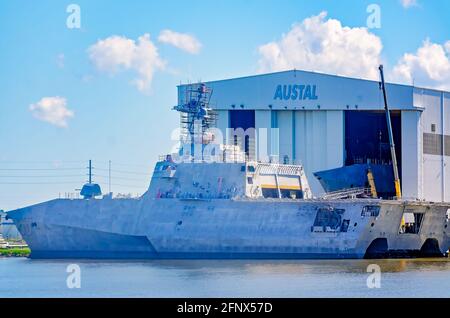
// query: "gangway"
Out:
[347,193]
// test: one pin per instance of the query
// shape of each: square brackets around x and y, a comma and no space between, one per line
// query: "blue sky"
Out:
[114,120]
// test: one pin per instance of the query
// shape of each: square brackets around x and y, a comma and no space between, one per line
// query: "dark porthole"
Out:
[180,222]
[355,224]
[372,224]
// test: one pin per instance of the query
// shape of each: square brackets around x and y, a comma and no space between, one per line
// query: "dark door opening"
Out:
[366,137]
[367,143]
[243,119]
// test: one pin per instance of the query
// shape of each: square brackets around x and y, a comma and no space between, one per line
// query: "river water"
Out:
[22,277]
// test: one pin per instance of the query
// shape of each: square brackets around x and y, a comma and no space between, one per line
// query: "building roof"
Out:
[317,73]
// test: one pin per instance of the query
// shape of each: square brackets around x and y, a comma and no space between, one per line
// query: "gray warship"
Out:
[231,207]
[198,210]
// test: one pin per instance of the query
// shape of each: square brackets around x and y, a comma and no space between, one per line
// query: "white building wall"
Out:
[433,178]
[335,139]
[263,123]
[411,177]
[430,102]
[285,135]
[222,123]
[446,121]
[319,139]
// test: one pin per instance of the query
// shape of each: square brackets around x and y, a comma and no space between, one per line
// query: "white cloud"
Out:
[182,41]
[408,3]
[117,53]
[447,46]
[324,45]
[429,66]
[52,110]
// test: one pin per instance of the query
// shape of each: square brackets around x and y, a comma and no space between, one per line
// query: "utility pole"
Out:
[109,176]
[90,171]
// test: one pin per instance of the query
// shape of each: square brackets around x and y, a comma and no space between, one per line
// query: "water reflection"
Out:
[226,278]
[273,266]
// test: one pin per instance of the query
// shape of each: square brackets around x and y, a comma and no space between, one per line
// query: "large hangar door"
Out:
[245,120]
[367,141]
[366,137]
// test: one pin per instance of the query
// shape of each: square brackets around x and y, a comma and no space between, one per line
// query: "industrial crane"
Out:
[398,192]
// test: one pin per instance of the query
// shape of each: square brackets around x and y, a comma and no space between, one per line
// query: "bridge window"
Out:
[269,193]
[291,194]
[371,210]
[285,193]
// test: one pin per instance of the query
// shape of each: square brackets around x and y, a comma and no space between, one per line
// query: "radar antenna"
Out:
[195,110]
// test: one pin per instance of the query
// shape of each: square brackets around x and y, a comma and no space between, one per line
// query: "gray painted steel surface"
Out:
[199,210]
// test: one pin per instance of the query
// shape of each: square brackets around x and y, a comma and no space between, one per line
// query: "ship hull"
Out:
[228,229]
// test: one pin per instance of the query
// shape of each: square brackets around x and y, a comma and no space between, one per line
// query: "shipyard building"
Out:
[326,122]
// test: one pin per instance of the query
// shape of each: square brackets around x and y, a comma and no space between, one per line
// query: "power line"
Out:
[25,183]
[70,182]
[125,164]
[62,162]
[126,172]
[39,169]
[124,185]
[39,162]
[34,178]
[131,165]
[42,176]
[122,178]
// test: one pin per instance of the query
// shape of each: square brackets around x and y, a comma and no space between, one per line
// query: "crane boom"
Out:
[398,191]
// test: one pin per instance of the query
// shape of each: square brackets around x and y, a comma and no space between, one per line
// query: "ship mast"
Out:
[196,111]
